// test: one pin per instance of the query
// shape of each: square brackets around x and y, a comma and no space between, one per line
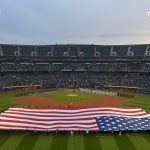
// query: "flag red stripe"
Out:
[75,110]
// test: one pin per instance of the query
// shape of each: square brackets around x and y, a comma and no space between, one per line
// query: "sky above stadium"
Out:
[74,21]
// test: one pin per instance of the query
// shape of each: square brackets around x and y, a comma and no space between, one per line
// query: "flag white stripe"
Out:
[48,127]
[73,117]
[75,114]
[37,129]
[76,110]
[48,121]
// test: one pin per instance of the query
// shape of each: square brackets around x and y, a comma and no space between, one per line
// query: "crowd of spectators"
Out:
[69,79]
[103,66]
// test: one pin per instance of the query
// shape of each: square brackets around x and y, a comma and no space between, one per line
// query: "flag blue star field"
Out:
[93,119]
[117,123]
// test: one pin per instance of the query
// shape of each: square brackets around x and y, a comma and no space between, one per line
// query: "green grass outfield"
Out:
[82,142]
[76,142]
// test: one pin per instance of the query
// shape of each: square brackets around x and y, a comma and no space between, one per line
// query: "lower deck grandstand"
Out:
[78,79]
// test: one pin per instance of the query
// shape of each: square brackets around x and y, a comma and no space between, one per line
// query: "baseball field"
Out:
[67,98]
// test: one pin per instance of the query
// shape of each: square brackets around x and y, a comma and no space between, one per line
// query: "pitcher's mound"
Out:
[72,95]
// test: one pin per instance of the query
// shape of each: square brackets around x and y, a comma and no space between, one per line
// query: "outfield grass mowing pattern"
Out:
[147,138]
[3,139]
[76,142]
[82,142]
[139,142]
[43,143]
[124,143]
[92,142]
[108,143]
[12,142]
[59,142]
[27,142]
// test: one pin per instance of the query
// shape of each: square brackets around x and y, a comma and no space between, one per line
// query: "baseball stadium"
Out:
[69,97]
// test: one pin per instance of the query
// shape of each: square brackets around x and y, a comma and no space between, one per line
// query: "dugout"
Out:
[122,88]
[24,87]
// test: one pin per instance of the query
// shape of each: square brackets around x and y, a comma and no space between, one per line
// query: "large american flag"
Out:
[92,119]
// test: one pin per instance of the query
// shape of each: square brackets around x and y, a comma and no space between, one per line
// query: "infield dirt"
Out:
[39,101]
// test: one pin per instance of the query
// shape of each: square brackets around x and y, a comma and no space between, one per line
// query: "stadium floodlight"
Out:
[148,13]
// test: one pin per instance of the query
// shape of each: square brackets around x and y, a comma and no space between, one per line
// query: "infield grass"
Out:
[71,96]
